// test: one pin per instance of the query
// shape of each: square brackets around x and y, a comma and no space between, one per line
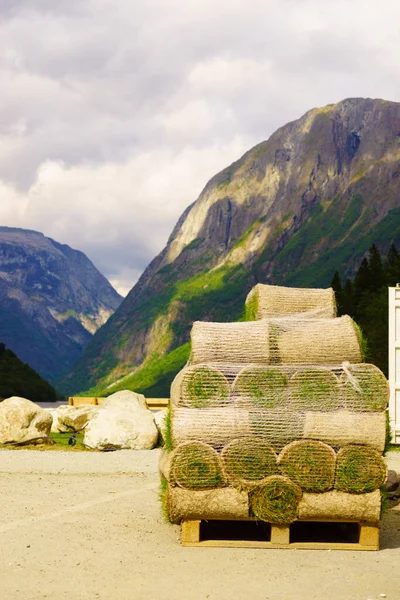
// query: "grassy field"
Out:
[58,442]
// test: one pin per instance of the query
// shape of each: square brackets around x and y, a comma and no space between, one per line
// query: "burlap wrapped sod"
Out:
[279,427]
[342,427]
[310,464]
[262,386]
[276,501]
[214,426]
[200,386]
[246,462]
[223,503]
[359,470]
[314,389]
[339,505]
[287,340]
[230,342]
[364,388]
[195,465]
[269,301]
[318,341]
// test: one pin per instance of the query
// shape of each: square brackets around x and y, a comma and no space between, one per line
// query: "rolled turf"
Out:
[314,389]
[261,386]
[195,465]
[311,464]
[222,503]
[276,501]
[200,386]
[359,470]
[246,462]
[371,392]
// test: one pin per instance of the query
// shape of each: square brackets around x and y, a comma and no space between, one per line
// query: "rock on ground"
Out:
[74,418]
[122,422]
[159,419]
[23,421]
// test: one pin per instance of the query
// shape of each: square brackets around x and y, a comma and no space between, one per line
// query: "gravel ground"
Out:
[87,526]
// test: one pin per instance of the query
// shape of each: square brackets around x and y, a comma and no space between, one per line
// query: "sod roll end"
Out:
[276,501]
[311,464]
[246,462]
[195,465]
[359,470]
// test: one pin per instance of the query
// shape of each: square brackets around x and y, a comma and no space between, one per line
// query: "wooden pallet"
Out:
[152,403]
[312,535]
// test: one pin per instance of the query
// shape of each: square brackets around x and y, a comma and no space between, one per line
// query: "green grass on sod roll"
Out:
[359,470]
[196,465]
[314,389]
[205,387]
[263,386]
[276,501]
[374,388]
[310,464]
[246,461]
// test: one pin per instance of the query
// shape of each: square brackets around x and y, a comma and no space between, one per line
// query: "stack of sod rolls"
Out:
[276,419]
[269,301]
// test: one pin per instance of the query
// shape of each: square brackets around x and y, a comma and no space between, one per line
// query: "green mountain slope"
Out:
[311,199]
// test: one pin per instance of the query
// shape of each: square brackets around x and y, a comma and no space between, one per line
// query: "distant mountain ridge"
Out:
[52,300]
[311,199]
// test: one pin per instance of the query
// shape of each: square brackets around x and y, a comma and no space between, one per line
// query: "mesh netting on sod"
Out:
[276,501]
[314,389]
[364,388]
[310,464]
[268,301]
[247,461]
[289,340]
[341,505]
[317,341]
[278,427]
[262,386]
[342,427]
[195,465]
[230,342]
[359,470]
[200,386]
[222,503]
[214,426]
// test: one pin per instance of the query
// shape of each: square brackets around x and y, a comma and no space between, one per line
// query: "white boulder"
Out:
[23,421]
[123,421]
[159,418]
[71,419]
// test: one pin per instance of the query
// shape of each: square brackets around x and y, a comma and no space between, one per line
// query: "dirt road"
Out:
[87,526]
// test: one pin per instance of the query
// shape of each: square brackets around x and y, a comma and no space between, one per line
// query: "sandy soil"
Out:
[87,526]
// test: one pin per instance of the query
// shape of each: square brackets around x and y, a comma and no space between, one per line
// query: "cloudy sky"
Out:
[115,113]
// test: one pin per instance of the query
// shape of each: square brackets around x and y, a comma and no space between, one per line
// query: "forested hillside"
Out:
[18,379]
[365,298]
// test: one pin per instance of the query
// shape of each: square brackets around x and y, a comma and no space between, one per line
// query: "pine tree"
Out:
[336,285]
[348,298]
[361,282]
[377,277]
[392,266]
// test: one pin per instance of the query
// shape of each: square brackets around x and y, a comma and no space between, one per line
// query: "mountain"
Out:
[19,379]
[52,300]
[311,199]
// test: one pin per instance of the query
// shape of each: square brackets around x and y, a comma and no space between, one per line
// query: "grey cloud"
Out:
[98,83]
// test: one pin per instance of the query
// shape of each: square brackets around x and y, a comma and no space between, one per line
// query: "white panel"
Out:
[397,320]
[397,363]
[394,362]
